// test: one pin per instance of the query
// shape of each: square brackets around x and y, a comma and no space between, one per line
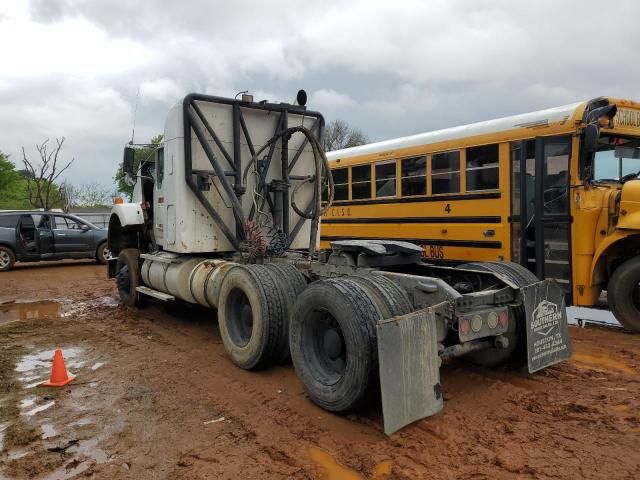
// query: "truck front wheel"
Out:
[623,294]
[127,276]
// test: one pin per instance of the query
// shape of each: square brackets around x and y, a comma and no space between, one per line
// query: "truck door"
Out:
[540,219]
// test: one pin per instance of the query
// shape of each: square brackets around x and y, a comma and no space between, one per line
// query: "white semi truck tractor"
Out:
[226,215]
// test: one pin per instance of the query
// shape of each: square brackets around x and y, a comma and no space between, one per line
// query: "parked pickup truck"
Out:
[37,235]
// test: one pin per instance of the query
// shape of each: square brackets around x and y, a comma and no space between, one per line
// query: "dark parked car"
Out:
[36,236]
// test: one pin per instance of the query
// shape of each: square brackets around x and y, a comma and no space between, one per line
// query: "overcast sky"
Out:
[74,68]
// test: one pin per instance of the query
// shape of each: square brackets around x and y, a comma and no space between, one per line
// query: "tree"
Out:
[339,134]
[143,154]
[12,186]
[8,173]
[41,177]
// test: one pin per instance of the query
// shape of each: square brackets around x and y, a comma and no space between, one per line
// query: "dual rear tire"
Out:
[329,328]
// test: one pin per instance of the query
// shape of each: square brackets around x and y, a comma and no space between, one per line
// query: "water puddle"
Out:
[3,427]
[14,311]
[332,470]
[41,361]
[39,409]
[602,362]
[84,449]
[48,431]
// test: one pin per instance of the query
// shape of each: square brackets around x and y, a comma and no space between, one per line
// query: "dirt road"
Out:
[156,397]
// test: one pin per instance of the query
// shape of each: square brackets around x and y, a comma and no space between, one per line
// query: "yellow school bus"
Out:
[555,191]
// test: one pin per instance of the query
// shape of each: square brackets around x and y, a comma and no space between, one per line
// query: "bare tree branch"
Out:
[338,134]
[41,187]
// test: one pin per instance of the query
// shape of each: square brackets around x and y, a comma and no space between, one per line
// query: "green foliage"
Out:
[141,154]
[13,186]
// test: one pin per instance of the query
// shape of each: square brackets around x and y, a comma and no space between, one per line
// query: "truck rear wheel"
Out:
[389,297]
[128,276]
[495,357]
[333,343]
[250,317]
[291,284]
[623,294]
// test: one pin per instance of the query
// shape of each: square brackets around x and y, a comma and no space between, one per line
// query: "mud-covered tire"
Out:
[513,271]
[291,284]
[7,258]
[102,253]
[514,353]
[250,317]
[390,298]
[333,343]
[623,294]
[128,276]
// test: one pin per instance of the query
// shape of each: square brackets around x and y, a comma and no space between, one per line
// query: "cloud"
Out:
[75,67]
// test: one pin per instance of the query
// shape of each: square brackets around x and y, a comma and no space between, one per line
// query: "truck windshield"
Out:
[616,157]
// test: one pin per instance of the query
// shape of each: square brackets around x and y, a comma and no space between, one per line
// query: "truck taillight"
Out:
[504,319]
[465,326]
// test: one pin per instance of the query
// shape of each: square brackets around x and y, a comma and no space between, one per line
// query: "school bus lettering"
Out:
[627,118]
[447,208]
[340,212]
[434,251]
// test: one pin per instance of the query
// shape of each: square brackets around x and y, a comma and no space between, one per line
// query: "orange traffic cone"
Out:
[59,375]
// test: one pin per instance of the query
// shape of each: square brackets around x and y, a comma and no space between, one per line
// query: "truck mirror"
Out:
[591,134]
[128,160]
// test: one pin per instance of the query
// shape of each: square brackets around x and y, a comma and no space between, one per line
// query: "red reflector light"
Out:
[504,319]
[465,326]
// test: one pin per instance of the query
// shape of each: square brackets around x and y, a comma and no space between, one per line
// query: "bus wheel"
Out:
[333,343]
[623,294]
[127,276]
[291,284]
[250,317]
[514,352]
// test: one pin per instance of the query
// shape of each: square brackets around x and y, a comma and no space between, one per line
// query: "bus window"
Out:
[361,182]
[414,176]
[482,168]
[341,183]
[616,157]
[556,178]
[445,172]
[386,179]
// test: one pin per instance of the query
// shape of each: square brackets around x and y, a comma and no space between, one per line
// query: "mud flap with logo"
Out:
[409,368]
[548,339]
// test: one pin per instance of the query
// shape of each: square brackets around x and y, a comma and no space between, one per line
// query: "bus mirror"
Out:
[128,161]
[591,134]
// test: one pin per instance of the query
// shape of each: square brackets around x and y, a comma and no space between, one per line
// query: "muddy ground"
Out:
[155,397]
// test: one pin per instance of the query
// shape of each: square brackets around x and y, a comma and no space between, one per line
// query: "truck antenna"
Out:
[135,114]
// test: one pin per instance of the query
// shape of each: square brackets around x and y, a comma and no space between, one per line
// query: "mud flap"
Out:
[409,368]
[548,339]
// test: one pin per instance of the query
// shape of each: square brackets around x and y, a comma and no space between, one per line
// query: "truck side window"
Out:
[159,167]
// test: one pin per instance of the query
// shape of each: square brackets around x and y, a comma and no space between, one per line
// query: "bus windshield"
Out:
[616,157]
